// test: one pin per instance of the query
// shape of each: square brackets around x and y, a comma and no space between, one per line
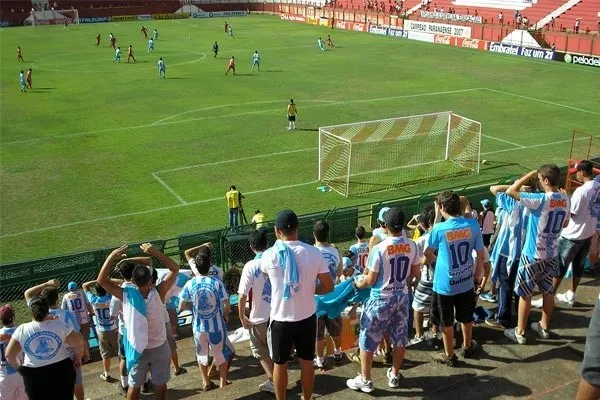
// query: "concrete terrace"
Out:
[542,369]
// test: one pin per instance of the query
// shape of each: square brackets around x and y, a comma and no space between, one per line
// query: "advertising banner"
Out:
[378,30]
[293,17]
[435,28]
[219,14]
[460,42]
[577,59]
[93,20]
[451,17]
[420,36]
[542,54]
[397,32]
[144,17]
[359,27]
[121,18]
[170,16]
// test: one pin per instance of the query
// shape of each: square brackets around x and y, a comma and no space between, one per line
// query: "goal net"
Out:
[372,156]
[53,17]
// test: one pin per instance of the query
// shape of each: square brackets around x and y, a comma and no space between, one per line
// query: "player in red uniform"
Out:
[130,53]
[28,78]
[113,41]
[19,55]
[145,32]
[226,27]
[98,40]
[231,66]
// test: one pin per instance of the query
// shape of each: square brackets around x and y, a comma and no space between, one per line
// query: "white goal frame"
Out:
[337,174]
[57,15]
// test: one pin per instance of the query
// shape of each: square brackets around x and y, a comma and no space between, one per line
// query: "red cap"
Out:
[583,165]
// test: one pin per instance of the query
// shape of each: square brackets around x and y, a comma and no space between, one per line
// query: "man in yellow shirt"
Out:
[233,197]
[291,113]
[259,219]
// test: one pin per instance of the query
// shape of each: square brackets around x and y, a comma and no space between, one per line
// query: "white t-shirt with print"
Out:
[76,302]
[301,304]
[585,209]
[253,278]
[43,343]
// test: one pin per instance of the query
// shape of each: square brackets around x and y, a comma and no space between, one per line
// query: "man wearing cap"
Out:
[11,382]
[380,233]
[392,264]
[575,239]
[293,268]
[75,301]
[454,277]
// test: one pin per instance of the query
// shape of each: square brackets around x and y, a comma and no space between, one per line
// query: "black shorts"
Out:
[444,309]
[282,336]
[291,118]
[333,325]
[572,252]
[486,239]
[57,379]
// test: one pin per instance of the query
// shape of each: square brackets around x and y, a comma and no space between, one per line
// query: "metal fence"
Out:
[230,247]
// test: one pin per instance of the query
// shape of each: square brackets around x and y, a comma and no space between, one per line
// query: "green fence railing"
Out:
[230,248]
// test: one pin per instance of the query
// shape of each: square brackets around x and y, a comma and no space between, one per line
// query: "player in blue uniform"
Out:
[320,43]
[450,246]
[117,55]
[150,45]
[22,82]
[162,69]
[549,212]
[255,61]
[392,264]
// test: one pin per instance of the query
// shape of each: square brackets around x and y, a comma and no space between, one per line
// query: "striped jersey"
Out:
[361,253]
[392,259]
[5,368]
[509,241]
[548,213]
[101,307]
[206,295]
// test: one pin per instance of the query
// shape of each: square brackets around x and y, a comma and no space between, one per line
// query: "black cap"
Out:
[286,219]
[394,219]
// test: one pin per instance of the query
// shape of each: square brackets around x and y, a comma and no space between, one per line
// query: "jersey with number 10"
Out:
[454,239]
[392,259]
[361,253]
[548,213]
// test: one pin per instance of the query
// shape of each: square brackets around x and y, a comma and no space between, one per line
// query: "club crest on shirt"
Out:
[207,306]
[43,345]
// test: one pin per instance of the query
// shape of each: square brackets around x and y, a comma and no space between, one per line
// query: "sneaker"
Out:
[318,363]
[416,339]
[563,298]
[489,297]
[358,384]
[105,376]
[443,358]
[267,387]
[180,371]
[537,303]
[494,323]
[337,357]
[147,387]
[393,381]
[514,336]
[537,328]
[289,128]
[468,352]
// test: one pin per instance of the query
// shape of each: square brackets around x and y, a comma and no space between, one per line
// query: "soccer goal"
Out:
[53,17]
[373,156]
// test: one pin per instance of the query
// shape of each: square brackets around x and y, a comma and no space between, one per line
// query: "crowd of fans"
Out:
[533,236]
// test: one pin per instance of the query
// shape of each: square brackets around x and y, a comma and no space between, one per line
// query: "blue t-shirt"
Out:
[454,239]
[206,295]
[101,306]
[510,235]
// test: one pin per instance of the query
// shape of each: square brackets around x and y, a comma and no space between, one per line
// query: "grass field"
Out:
[102,153]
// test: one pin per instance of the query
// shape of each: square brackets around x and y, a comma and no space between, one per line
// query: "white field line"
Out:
[170,189]
[233,161]
[234,105]
[220,198]
[332,103]
[544,101]
[502,140]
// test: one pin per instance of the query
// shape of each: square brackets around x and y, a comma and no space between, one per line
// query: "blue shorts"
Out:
[532,272]
[384,316]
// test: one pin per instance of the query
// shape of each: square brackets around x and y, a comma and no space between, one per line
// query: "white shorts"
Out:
[12,387]
[211,344]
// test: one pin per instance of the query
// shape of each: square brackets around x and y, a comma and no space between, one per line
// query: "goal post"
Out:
[385,154]
[53,17]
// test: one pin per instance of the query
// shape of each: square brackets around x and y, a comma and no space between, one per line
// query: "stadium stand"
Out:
[587,10]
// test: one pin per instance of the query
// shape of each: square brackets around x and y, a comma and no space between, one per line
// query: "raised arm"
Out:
[514,189]
[495,189]
[104,274]
[173,267]
[191,252]
[36,290]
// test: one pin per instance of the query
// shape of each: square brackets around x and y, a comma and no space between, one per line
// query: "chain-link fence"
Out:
[230,246]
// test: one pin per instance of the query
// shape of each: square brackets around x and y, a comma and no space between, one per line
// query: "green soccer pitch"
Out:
[101,153]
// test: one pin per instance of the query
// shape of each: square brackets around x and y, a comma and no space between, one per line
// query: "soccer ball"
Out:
[484,161]
[189,38]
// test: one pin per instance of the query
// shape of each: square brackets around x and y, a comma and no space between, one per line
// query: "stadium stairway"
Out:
[542,369]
